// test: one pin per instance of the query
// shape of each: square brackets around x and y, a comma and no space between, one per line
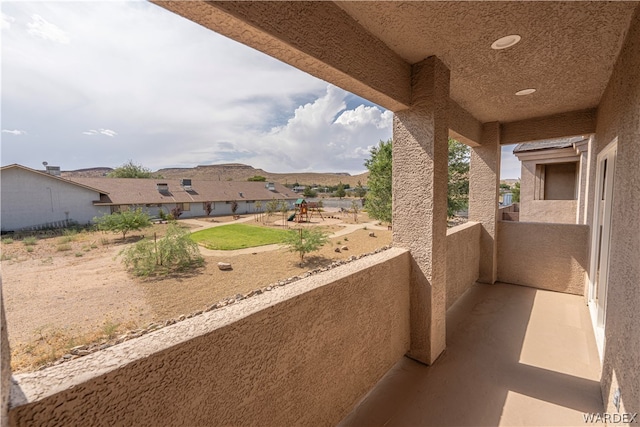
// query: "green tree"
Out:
[308,192]
[305,240]
[379,196]
[272,206]
[458,183]
[515,191]
[257,178]
[131,170]
[123,222]
[340,191]
[378,203]
[173,252]
[359,191]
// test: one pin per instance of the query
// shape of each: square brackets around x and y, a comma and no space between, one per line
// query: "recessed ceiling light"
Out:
[525,92]
[505,42]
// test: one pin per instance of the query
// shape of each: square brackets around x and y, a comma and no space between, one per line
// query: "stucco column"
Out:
[583,150]
[484,188]
[420,202]
[5,364]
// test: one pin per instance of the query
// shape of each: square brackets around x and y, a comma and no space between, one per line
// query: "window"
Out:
[556,181]
[184,207]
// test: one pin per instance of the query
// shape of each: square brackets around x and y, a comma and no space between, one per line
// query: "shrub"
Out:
[305,240]
[174,252]
[123,222]
[7,240]
[29,248]
[175,213]
[63,247]
[30,241]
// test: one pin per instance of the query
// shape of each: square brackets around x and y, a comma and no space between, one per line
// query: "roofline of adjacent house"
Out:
[48,175]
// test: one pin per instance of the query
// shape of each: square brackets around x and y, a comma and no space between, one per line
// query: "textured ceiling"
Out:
[567,50]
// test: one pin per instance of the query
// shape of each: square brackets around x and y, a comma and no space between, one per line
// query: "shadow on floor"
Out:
[515,356]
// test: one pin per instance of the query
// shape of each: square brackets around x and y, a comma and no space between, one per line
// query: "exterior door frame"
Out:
[600,241]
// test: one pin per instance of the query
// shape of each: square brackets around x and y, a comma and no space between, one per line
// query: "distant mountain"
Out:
[237,172]
[86,173]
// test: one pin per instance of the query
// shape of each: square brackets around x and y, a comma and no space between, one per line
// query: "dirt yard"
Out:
[67,291]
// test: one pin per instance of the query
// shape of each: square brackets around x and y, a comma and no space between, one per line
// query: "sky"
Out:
[89,84]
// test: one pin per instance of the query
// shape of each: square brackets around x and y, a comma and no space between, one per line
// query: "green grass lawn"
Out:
[237,236]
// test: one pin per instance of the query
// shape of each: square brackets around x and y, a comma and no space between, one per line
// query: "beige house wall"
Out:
[544,256]
[548,211]
[619,116]
[302,354]
[463,259]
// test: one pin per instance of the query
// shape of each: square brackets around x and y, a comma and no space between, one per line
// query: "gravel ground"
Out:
[54,295]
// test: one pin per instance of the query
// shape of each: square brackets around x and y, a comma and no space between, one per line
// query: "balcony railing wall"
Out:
[463,259]
[302,354]
[543,255]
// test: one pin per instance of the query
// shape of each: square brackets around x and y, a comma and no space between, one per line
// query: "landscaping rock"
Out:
[372,234]
[337,249]
[344,248]
[225,266]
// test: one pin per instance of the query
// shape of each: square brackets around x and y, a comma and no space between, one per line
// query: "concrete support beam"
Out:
[484,186]
[317,37]
[463,126]
[573,123]
[420,202]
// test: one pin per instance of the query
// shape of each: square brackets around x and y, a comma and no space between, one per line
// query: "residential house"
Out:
[188,195]
[554,180]
[487,74]
[31,198]
[35,199]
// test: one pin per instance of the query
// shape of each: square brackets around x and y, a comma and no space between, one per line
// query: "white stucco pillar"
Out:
[420,202]
[484,189]
[582,148]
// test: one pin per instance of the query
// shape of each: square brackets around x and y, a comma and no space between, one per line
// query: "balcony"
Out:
[309,352]
[515,356]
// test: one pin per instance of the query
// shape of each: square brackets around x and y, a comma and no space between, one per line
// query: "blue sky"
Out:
[88,84]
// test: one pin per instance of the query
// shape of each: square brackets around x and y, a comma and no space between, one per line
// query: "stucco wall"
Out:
[302,354]
[5,364]
[544,256]
[619,116]
[29,199]
[463,259]
[547,211]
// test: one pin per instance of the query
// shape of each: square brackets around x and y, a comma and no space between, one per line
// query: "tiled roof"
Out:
[548,144]
[130,191]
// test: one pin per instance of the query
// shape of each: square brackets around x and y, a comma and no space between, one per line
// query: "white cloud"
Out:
[40,27]
[107,132]
[6,21]
[163,81]
[14,132]
[363,116]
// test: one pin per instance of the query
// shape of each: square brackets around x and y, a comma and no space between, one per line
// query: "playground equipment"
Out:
[304,211]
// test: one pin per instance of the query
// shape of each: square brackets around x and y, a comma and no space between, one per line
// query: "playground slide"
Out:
[293,215]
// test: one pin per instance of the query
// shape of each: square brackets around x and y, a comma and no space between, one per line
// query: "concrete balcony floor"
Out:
[515,356]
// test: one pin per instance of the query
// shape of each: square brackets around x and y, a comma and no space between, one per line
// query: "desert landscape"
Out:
[65,294]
